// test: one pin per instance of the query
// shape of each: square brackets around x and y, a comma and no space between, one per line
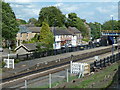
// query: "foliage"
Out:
[17,61]
[32,21]
[75,21]
[9,24]
[20,21]
[95,30]
[2,64]
[46,36]
[84,39]
[51,14]
[109,25]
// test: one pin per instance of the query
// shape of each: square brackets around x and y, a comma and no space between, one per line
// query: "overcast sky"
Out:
[92,11]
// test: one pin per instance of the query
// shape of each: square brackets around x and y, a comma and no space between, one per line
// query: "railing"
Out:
[53,52]
[104,62]
[110,31]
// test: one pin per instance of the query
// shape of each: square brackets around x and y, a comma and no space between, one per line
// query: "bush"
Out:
[2,64]
[17,61]
[84,39]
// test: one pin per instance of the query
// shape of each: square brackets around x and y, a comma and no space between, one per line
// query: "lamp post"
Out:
[112,36]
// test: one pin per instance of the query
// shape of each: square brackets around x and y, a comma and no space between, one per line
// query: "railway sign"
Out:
[79,68]
[9,63]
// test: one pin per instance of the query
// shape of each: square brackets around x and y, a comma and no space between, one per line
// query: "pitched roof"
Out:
[73,30]
[60,31]
[28,47]
[34,29]
[23,29]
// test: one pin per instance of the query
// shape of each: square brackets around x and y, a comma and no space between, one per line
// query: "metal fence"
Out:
[55,52]
[104,62]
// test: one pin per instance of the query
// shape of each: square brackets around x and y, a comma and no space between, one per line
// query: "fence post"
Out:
[26,84]
[71,67]
[104,62]
[17,56]
[67,76]
[27,55]
[95,64]
[49,80]
[100,63]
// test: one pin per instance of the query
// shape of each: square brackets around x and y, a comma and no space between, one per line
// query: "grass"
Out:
[0,70]
[58,82]
[96,78]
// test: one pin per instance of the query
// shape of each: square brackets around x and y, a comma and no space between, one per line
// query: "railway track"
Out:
[51,70]
[43,69]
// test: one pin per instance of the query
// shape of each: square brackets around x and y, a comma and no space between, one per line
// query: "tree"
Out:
[46,36]
[108,25]
[95,29]
[20,21]
[51,14]
[75,21]
[32,21]
[9,24]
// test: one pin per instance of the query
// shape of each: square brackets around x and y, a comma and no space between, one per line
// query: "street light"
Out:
[112,36]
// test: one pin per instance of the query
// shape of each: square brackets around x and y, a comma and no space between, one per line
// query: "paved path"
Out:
[30,63]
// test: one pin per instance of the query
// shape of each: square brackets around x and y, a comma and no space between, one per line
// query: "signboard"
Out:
[79,68]
[9,63]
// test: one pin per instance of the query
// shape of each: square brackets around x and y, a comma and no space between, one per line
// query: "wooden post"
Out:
[67,76]
[50,81]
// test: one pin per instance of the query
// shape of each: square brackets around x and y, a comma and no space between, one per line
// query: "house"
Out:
[77,36]
[25,48]
[62,36]
[26,33]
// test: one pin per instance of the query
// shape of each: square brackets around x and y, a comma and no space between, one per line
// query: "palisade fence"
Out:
[104,62]
[54,52]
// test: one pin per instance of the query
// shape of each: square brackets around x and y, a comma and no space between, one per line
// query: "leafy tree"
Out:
[32,21]
[111,24]
[9,24]
[75,21]
[95,30]
[46,36]
[20,21]
[51,14]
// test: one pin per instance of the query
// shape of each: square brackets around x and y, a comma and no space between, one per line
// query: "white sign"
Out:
[9,63]
[78,68]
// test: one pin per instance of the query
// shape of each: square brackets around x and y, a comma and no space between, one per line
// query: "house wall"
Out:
[79,38]
[57,44]
[74,40]
[21,51]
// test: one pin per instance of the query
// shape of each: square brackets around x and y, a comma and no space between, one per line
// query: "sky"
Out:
[91,10]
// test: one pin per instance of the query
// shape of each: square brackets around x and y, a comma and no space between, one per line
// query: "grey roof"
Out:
[34,29]
[23,29]
[73,30]
[60,31]
[30,46]
[56,30]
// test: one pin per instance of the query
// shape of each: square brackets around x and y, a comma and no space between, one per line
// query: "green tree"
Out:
[75,21]
[46,36]
[95,29]
[20,21]
[32,21]
[50,14]
[108,25]
[9,24]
